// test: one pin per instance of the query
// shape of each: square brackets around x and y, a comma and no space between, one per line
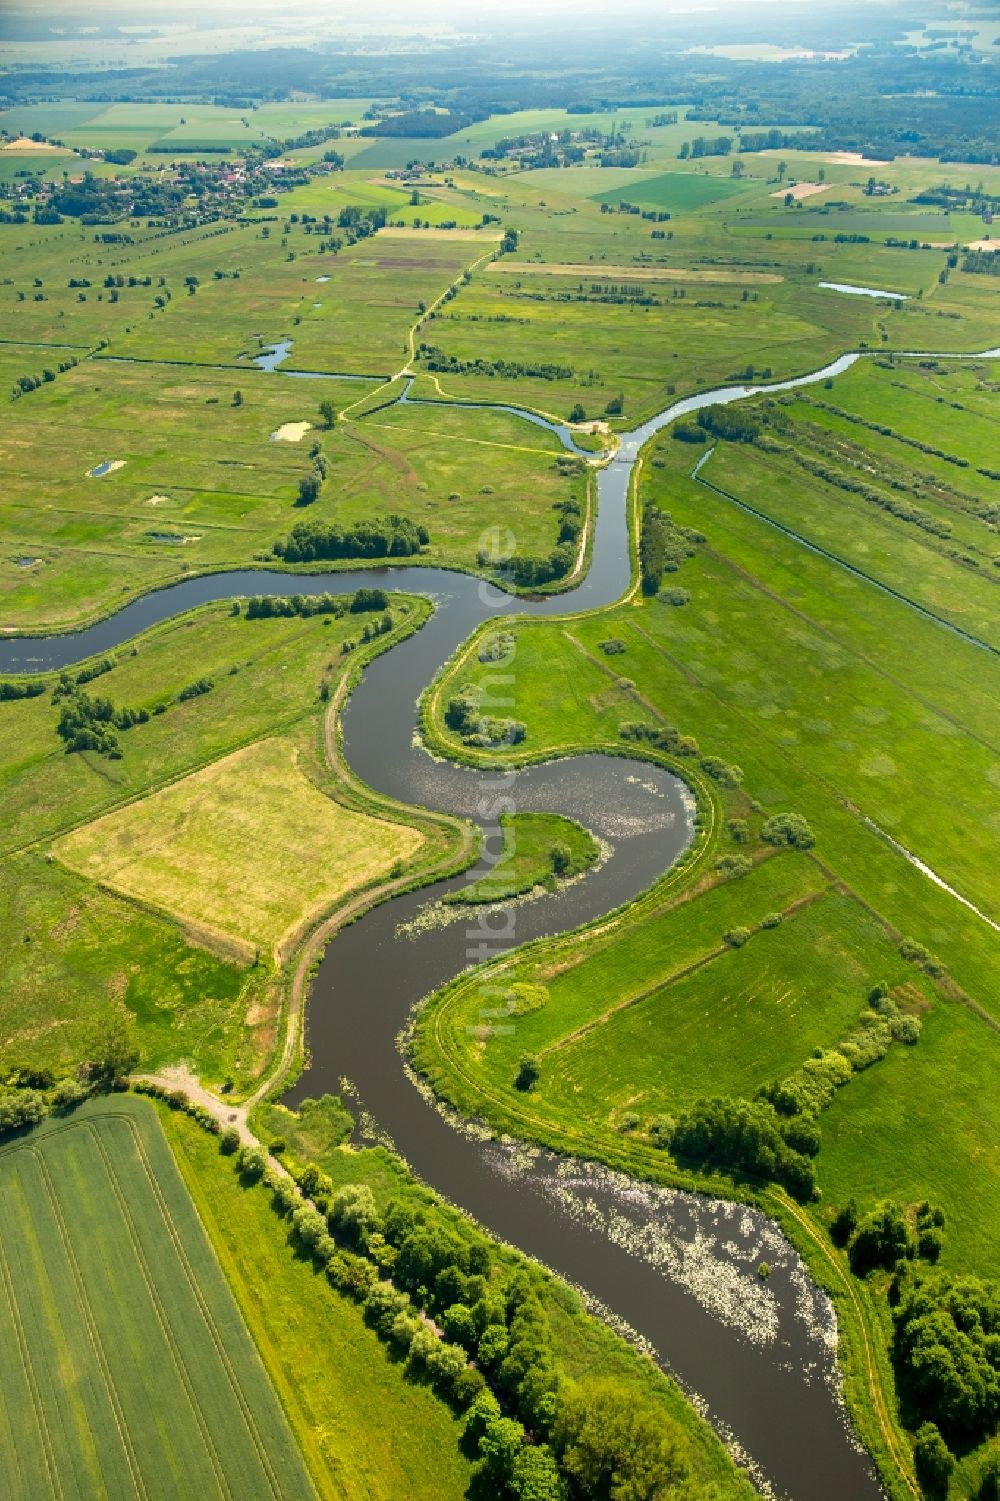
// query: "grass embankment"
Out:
[539,850]
[125,1365]
[366,1430]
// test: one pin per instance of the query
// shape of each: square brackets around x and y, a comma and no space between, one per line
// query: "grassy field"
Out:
[367,1432]
[885,714]
[126,1367]
[248,849]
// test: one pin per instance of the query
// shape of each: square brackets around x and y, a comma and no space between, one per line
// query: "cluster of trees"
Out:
[537,1433]
[463,714]
[311,484]
[269,606]
[436,359]
[418,123]
[389,536]
[663,546]
[28,689]
[90,723]
[885,1239]
[530,573]
[946,1352]
[788,828]
[25,383]
[982,262]
[706,146]
[747,1136]
[195,689]
[664,738]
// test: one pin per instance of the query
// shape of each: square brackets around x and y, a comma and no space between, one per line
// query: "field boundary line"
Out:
[670,979]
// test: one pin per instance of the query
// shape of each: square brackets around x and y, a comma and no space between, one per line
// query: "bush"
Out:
[933,1460]
[788,828]
[229,1141]
[881,1240]
[527,1073]
[250,1163]
[736,937]
[731,867]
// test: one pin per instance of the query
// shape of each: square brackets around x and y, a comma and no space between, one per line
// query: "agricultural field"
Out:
[367,1431]
[249,849]
[126,1368]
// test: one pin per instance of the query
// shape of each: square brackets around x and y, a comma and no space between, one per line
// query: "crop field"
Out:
[125,1364]
[248,849]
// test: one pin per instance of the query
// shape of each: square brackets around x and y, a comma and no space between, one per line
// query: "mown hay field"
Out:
[248,848]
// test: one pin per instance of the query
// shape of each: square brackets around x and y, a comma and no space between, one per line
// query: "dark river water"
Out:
[677,1270]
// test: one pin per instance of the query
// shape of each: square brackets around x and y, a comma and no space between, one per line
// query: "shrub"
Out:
[905,1029]
[528,1073]
[932,1459]
[736,937]
[788,828]
[730,867]
[229,1141]
[251,1162]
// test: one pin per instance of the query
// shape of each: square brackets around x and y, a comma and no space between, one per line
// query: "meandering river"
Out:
[679,1270]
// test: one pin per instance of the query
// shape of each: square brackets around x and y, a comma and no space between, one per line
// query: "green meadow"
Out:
[838,700]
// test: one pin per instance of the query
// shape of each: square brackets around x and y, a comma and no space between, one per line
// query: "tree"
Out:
[882,1238]
[738,167]
[933,1460]
[788,828]
[561,858]
[237,398]
[615,1446]
[782,169]
[354,1214]
[112,1052]
[535,1475]
[308,490]
[578,414]
[527,1073]
[328,412]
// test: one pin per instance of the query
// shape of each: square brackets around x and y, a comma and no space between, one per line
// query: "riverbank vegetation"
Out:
[517,1352]
[538,851]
